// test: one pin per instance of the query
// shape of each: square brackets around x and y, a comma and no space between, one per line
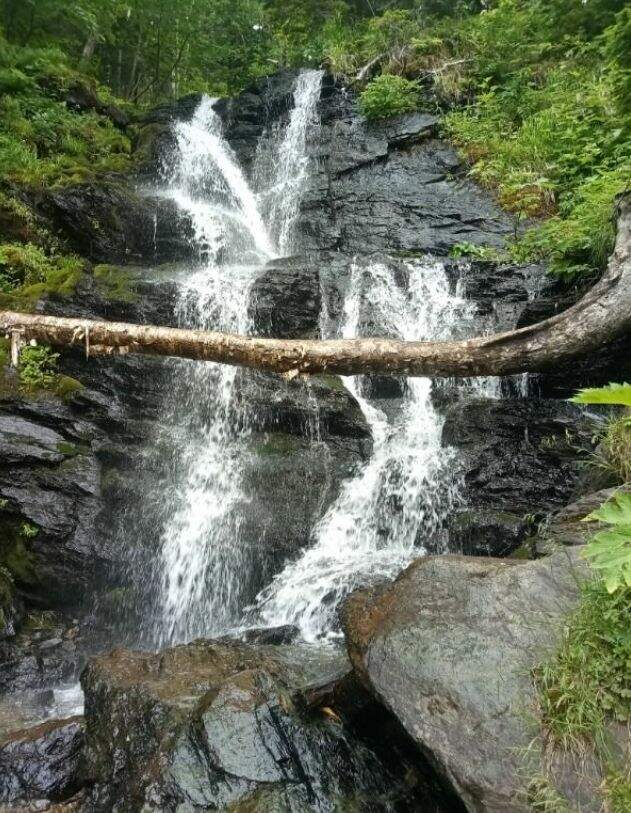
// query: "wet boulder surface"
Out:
[218,725]
[42,764]
[448,648]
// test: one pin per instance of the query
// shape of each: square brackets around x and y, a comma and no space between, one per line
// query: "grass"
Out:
[617,447]
[588,682]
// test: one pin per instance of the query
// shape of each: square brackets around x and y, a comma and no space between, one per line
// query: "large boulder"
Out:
[218,725]
[42,764]
[449,647]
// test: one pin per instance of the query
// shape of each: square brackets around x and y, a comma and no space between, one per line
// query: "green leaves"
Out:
[389,95]
[619,394]
[610,549]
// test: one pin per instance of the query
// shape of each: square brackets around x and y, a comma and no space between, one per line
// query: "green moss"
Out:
[116,283]
[28,274]
[278,443]
[333,382]
[68,449]
[65,386]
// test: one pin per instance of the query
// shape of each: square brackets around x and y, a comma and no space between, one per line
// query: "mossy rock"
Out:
[276,444]
[116,283]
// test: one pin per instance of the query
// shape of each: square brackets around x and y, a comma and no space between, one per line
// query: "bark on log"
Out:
[602,315]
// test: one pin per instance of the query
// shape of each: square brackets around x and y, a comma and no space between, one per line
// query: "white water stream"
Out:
[203,560]
[401,497]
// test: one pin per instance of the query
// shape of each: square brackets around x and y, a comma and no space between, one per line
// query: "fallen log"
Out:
[603,314]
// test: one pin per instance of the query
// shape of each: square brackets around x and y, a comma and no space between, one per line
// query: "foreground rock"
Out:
[448,648]
[215,725]
[43,763]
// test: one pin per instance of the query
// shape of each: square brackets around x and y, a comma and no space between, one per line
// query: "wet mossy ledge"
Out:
[49,382]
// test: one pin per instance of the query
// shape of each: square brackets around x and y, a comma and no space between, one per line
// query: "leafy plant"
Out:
[467,249]
[619,394]
[610,549]
[37,366]
[616,441]
[28,531]
[389,95]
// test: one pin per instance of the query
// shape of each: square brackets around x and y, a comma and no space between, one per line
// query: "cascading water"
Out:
[400,498]
[202,560]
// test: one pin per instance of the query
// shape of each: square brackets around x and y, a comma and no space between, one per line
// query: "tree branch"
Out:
[602,315]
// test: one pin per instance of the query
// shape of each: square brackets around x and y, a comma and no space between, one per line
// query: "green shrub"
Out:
[389,95]
[37,366]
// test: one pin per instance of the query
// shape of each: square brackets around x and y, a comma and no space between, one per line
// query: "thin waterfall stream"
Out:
[237,231]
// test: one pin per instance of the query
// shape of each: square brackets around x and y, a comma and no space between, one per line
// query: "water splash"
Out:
[397,502]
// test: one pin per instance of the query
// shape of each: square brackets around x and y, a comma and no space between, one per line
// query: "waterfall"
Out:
[400,498]
[202,560]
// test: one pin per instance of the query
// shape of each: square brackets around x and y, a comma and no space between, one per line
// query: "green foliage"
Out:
[389,95]
[588,681]
[37,366]
[610,549]
[28,531]
[618,792]
[619,394]
[467,249]
[616,440]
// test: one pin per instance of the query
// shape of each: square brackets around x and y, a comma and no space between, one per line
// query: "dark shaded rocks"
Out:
[110,222]
[285,300]
[319,406]
[520,456]
[448,648]
[406,203]
[49,492]
[479,532]
[42,763]
[216,725]
[566,527]
[46,649]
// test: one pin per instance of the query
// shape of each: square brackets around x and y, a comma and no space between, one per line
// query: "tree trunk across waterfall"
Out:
[602,315]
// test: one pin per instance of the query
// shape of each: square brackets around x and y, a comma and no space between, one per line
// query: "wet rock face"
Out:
[217,725]
[390,186]
[449,647]
[43,763]
[50,497]
[520,456]
[295,283]
[110,222]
